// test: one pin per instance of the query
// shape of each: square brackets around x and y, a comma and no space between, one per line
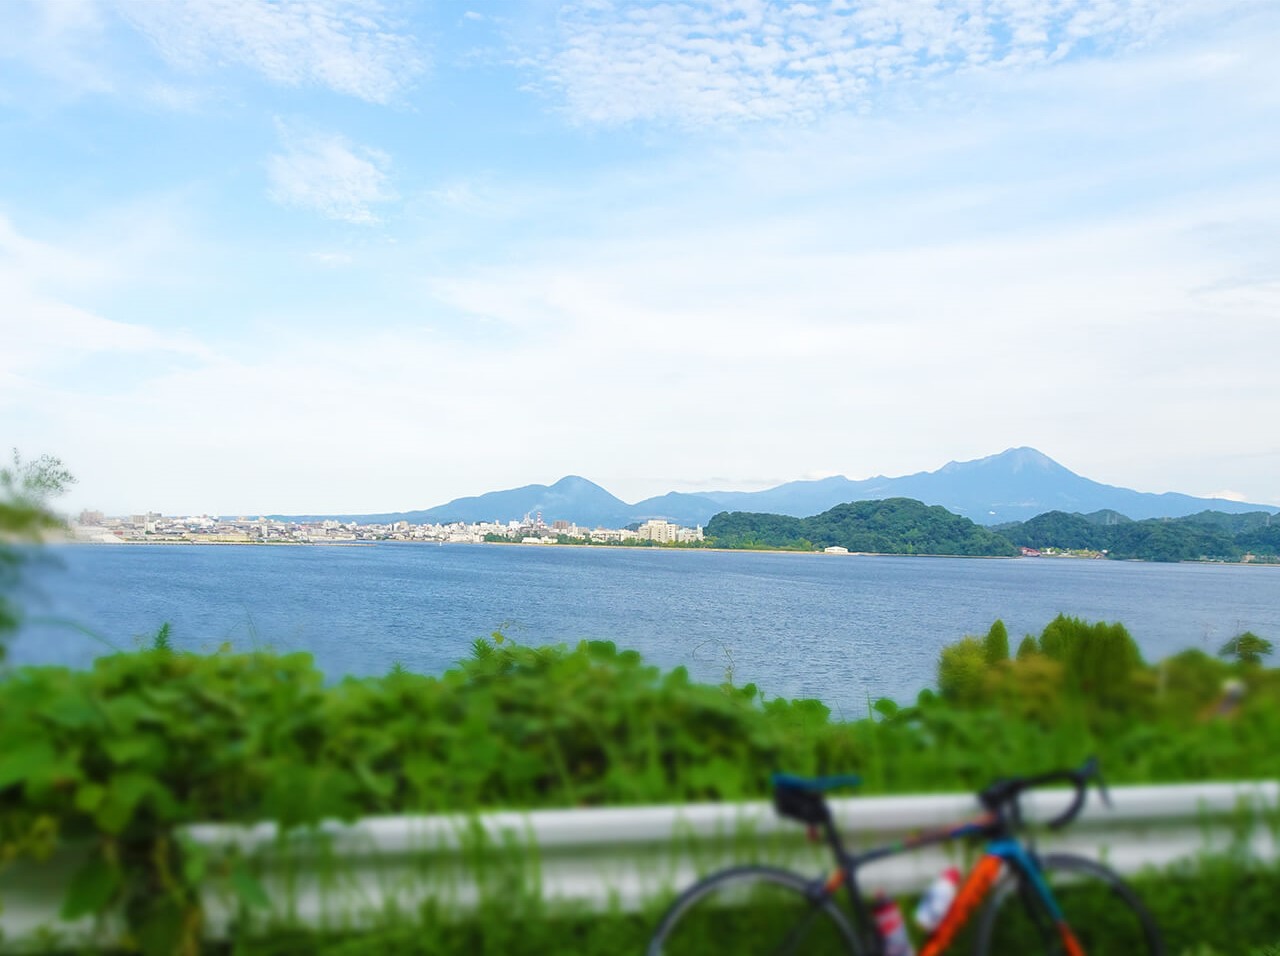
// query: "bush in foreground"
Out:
[122,754]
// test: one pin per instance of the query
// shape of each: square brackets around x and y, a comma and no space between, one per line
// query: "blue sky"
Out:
[348,256]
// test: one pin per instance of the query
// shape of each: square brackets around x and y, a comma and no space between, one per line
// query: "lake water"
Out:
[840,628]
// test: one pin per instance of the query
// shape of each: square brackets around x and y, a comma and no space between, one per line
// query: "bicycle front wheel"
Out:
[1106,916]
[754,910]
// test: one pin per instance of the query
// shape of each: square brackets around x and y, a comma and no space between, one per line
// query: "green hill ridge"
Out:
[907,526]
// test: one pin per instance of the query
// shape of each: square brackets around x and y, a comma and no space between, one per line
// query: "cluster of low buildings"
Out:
[656,530]
[153,528]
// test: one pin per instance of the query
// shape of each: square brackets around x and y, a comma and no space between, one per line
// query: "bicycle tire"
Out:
[1103,911]
[753,909]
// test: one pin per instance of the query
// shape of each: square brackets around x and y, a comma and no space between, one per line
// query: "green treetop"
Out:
[26,488]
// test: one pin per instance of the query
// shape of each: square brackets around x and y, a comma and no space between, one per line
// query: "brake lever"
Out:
[1093,769]
[1103,791]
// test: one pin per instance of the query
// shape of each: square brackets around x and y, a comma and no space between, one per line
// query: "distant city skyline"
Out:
[1014,485]
[349,256]
[152,528]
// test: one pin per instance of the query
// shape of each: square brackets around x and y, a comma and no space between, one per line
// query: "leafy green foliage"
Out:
[124,753]
[25,491]
[1057,529]
[1091,677]
[1190,679]
[1247,648]
[1169,540]
[1235,524]
[995,646]
[740,529]
[1209,535]
[1214,907]
[1217,905]
[963,672]
[146,741]
[889,526]
[161,641]
[1099,660]
[906,526]
[26,488]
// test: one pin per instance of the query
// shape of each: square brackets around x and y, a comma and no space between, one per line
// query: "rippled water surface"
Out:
[835,627]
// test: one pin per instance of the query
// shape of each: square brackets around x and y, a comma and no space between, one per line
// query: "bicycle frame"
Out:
[1000,853]
[978,884]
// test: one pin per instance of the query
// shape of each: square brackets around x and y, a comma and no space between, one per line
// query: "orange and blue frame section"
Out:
[978,884]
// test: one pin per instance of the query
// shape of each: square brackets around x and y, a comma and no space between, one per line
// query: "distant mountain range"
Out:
[1015,485]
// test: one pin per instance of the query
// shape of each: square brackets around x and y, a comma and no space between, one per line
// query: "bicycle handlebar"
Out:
[1002,796]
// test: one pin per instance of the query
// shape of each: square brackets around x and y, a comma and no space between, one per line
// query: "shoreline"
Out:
[170,542]
[646,548]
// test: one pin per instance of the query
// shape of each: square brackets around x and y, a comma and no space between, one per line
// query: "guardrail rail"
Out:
[343,876]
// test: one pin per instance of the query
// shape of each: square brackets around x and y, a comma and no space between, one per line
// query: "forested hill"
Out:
[907,526]
[1209,535]
[888,526]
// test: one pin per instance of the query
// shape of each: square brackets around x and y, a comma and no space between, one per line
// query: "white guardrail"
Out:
[349,875]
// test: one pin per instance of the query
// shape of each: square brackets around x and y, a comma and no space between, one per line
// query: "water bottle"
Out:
[937,900]
[892,927]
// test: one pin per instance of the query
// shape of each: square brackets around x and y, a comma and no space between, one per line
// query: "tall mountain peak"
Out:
[1014,485]
[569,482]
[1025,457]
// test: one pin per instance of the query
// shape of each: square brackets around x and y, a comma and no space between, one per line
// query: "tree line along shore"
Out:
[907,526]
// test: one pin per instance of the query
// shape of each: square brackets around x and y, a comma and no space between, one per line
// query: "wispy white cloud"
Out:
[39,262]
[177,99]
[1227,495]
[42,330]
[820,314]
[1081,258]
[354,47]
[749,60]
[479,195]
[60,40]
[329,174]
[331,260]
[717,345]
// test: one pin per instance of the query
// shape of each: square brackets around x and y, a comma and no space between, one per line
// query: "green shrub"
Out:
[26,489]
[123,753]
[1098,659]
[962,672]
[1212,907]
[1030,688]
[1189,682]
[995,646]
[1246,648]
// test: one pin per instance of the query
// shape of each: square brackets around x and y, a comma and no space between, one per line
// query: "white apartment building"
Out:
[664,532]
[656,529]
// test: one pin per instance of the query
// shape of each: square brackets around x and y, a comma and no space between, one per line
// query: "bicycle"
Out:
[1028,896]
